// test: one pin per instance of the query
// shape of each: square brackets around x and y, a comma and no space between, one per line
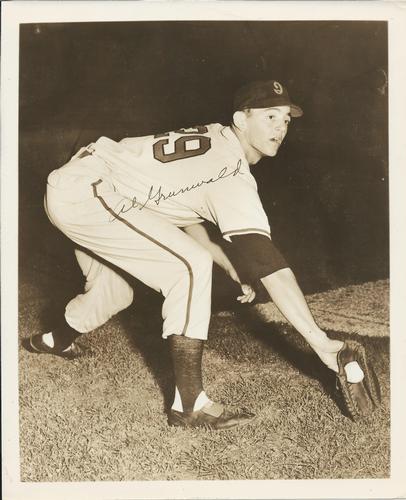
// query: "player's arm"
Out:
[199,233]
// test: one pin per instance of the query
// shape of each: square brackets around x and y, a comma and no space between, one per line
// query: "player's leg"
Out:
[289,299]
[166,259]
[105,294]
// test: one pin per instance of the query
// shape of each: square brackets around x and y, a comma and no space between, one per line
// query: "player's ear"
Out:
[240,120]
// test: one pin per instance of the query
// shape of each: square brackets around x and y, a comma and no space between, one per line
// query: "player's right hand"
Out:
[248,294]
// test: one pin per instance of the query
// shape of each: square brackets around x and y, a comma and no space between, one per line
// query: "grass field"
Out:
[102,417]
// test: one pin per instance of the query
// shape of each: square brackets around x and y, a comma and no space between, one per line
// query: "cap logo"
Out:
[277,87]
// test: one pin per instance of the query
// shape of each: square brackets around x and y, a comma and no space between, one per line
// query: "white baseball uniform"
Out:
[125,203]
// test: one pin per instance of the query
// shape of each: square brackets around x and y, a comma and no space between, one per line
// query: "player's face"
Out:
[265,129]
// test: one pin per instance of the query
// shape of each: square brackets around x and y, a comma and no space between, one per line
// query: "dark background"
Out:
[326,193]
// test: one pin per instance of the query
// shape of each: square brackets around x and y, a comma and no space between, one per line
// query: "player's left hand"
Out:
[248,294]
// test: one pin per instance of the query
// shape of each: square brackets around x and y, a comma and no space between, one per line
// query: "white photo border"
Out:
[14,13]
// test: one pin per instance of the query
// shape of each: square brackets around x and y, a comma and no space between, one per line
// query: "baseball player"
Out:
[139,203]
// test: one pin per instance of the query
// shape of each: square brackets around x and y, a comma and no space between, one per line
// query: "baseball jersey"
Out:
[186,176]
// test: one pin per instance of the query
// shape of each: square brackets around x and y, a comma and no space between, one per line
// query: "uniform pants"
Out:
[140,242]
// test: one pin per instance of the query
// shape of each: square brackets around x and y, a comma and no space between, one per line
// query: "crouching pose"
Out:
[126,203]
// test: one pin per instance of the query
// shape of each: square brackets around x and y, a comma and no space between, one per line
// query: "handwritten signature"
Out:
[156,195]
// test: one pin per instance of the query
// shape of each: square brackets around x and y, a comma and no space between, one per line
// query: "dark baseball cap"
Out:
[264,94]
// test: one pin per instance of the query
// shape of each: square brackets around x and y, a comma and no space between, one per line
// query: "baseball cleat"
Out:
[35,344]
[359,398]
[212,416]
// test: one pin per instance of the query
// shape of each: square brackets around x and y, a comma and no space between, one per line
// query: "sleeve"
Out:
[255,256]
[235,205]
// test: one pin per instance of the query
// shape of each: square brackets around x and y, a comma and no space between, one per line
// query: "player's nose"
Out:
[281,130]
[281,125]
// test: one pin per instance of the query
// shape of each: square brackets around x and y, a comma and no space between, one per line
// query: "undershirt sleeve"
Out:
[255,256]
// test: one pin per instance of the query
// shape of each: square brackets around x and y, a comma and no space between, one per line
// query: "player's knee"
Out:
[126,298]
[117,294]
[197,264]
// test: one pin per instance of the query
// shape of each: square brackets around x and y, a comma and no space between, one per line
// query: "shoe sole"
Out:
[180,424]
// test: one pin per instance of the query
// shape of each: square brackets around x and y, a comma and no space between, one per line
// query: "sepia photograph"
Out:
[203,251]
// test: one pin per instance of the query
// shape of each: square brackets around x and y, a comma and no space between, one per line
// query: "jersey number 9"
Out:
[180,145]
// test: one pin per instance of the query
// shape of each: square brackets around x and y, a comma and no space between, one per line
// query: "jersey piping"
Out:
[246,230]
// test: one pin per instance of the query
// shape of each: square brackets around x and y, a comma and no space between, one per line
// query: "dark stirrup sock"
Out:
[186,356]
[64,335]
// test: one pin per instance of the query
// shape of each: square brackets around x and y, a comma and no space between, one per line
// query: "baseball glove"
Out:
[359,398]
